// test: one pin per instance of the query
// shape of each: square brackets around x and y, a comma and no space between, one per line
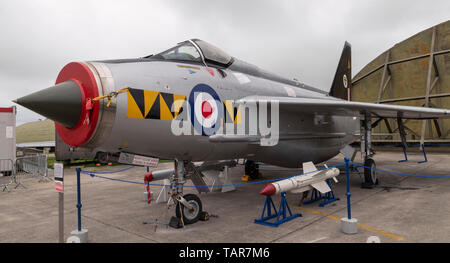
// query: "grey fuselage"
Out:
[303,138]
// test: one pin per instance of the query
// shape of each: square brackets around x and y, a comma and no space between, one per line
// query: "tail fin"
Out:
[343,79]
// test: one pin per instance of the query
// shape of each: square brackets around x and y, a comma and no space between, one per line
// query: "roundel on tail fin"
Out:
[342,78]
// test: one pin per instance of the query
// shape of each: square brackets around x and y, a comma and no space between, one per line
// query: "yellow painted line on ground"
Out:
[381,232]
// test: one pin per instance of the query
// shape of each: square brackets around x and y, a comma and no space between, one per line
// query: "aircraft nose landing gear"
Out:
[189,208]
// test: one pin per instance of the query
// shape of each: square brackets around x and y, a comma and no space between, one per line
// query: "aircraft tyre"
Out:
[102,157]
[189,216]
[370,175]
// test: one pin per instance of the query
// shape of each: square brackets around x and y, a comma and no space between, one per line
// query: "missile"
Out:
[313,179]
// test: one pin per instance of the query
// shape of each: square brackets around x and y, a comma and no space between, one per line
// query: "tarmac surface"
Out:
[399,209]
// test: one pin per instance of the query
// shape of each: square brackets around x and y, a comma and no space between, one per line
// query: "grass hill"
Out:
[38,131]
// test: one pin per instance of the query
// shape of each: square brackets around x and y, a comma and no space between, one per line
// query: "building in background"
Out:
[415,72]
[7,139]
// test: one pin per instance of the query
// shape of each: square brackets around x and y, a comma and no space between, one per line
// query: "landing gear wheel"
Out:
[102,157]
[252,169]
[189,216]
[370,175]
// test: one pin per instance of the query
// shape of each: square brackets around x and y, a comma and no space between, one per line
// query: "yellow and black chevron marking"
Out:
[148,104]
[231,114]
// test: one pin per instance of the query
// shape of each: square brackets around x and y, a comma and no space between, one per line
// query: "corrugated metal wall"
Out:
[415,72]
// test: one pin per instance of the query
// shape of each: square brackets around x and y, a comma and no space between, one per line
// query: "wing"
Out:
[340,107]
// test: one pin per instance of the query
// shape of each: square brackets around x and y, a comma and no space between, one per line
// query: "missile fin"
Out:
[309,167]
[302,189]
[322,187]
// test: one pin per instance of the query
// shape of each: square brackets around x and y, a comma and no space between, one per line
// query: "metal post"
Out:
[79,235]
[79,205]
[61,217]
[429,87]
[347,170]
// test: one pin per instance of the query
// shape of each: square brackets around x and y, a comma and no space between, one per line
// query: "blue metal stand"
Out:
[347,177]
[424,154]
[281,215]
[79,205]
[354,168]
[328,198]
[406,155]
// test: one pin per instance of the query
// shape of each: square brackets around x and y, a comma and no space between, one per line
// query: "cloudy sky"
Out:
[301,39]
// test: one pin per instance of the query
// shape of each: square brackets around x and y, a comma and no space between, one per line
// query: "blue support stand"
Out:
[406,155]
[424,154]
[328,198]
[79,205]
[347,177]
[280,215]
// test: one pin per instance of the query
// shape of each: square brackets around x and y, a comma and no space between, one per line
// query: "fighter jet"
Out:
[194,102]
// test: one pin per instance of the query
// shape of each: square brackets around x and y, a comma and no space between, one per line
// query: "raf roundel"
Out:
[345,81]
[206,109]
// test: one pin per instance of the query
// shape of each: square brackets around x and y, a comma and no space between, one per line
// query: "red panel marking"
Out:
[210,71]
[6,110]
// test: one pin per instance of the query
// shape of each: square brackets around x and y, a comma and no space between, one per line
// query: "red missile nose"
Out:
[269,189]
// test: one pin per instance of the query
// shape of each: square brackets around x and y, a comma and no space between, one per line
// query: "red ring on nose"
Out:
[84,77]
[206,109]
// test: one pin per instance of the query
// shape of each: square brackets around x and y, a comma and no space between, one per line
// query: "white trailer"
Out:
[7,139]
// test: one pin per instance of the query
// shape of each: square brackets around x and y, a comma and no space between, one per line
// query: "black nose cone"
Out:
[61,103]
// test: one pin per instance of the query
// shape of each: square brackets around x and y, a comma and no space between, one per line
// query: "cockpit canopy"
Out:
[197,51]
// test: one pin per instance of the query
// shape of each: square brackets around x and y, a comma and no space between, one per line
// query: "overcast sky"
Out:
[296,39]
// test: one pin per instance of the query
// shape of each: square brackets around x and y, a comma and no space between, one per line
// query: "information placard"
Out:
[133,159]
[58,170]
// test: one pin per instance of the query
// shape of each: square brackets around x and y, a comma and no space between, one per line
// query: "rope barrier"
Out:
[96,174]
[413,145]
[115,179]
[106,172]
[396,173]
[93,174]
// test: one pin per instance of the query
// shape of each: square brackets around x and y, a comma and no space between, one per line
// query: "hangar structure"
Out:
[415,72]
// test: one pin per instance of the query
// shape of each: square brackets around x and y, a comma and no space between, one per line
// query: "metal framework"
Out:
[433,79]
